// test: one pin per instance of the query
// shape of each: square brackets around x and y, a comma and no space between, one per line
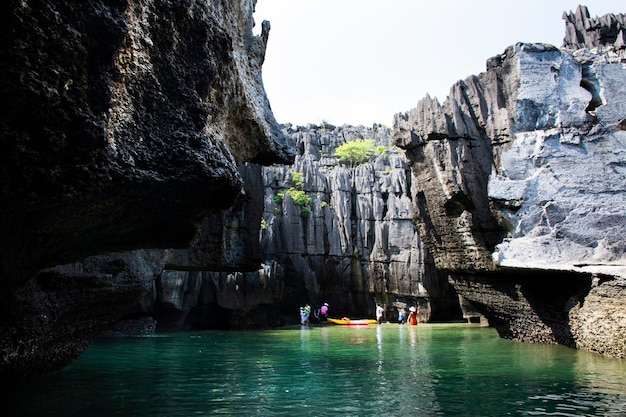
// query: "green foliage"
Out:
[297,178]
[299,197]
[358,152]
[263,224]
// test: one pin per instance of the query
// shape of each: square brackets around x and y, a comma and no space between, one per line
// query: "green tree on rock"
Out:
[358,152]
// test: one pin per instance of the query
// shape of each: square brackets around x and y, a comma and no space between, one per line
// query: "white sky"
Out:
[362,61]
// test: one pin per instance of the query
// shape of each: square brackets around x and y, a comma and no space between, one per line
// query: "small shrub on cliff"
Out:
[358,152]
[297,178]
[299,197]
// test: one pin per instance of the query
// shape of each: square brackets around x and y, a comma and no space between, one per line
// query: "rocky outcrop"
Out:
[354,244]
[123,126]
[351,245]
[584,32]
[520,183]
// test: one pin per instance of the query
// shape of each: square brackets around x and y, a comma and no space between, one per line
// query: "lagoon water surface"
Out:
[377,370]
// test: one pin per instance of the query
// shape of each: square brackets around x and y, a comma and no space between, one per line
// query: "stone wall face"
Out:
[353,245]
[356,244]
[123,124]
[520,176]
[560,182]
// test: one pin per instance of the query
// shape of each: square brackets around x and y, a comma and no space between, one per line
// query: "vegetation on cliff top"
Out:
[358,152]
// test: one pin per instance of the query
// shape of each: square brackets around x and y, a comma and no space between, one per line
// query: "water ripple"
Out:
[389,370]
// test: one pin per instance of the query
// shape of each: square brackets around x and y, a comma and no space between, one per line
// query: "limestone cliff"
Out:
[520,186]
[352,244]
[122,127]
[355,242]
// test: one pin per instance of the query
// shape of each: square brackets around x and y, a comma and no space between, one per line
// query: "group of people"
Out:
[410,318]
[320,314]
[403,317]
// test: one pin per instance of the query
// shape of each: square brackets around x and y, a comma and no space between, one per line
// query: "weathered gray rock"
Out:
[356,244]
[209,299]
[598,323]
[582,31]
[520,180]
[122,128]
[561,179]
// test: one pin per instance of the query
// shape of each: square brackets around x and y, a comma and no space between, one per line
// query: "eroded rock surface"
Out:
[123,126]
[353,244]
[520,178]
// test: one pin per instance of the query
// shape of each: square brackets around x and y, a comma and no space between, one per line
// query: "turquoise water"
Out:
[379,370]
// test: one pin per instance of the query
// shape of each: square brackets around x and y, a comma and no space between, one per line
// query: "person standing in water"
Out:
[304,316]
[307,310]
[401,315]
[412,316]
[379,313]
[324,312]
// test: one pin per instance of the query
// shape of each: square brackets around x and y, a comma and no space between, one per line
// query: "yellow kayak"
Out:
[352,322]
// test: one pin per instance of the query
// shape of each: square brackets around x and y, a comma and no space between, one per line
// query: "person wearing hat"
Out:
[324,312]
[412,316]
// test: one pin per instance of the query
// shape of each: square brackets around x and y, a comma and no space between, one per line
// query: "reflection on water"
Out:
[380,370]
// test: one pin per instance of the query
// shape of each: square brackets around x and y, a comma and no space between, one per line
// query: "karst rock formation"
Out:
[123,126]
[521,189]
[352,245]
[144,184]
